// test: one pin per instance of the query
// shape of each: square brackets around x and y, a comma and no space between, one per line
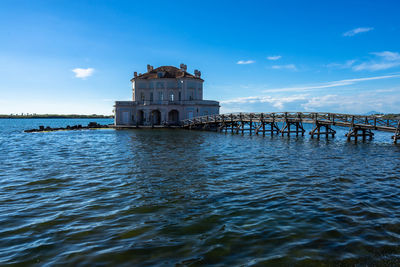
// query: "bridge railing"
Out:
[344,119]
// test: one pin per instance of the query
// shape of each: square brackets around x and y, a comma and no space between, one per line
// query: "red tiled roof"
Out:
[168,72]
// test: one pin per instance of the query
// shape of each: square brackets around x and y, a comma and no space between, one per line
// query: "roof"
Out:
[169,72]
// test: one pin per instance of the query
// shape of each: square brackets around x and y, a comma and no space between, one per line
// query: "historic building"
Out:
[164,95]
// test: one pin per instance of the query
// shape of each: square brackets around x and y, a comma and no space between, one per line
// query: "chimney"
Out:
[135,74]
[199,73]
[149,68]
[183,67]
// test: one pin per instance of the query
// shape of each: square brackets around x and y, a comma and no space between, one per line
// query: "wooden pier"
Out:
[288,123]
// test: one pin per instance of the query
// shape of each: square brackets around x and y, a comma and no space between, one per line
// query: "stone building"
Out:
[164,96]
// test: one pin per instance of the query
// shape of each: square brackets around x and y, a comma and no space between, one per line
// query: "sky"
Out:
[77,57]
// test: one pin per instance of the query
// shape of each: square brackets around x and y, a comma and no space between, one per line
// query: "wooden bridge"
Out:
[292,123]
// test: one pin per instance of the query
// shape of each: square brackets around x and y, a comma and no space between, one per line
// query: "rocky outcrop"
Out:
[91,125]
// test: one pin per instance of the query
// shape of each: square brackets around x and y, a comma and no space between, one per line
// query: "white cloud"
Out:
[385,60]
[387,55]
[358,103]
[83,73]
[277,102]
[321,102]
[274,57]
[245,62]
[371,66]
[329,84]
[347,64]
[288,67]
[357,31]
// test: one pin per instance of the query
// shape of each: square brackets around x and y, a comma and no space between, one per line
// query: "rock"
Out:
[93,124]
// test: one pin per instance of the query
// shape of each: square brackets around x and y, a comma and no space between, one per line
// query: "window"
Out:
[171,96]
[160,96]
[142,96]
[160,74]
[151,96]
[160,85]
[180,96]
[191,85]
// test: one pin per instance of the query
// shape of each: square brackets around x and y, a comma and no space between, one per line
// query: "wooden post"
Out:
[263,123]
[397,133]
[272,124]
[231,123]
[241,121]
[251,123]
[223,123]
[355,133]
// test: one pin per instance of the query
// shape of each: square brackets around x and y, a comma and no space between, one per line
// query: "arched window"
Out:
[171,96]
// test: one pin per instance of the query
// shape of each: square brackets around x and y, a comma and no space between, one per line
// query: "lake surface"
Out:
[177,197]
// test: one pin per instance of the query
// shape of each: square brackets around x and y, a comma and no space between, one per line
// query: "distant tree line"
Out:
[54,116]
[391,116]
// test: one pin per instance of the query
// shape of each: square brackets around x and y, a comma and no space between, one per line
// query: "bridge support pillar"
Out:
[287,130]
[296,122]
[262,128]
[354,133]
[317,130]
[396,135]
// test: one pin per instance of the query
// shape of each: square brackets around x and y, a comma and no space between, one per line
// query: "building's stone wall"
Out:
[164,101]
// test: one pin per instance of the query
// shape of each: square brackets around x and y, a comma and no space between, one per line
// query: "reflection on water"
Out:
[165,197]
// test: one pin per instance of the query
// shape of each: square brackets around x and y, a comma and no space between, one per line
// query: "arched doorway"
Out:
[173,117]
[156,117]
[140,117]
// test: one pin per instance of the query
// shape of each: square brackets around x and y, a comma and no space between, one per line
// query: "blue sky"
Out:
[78,56]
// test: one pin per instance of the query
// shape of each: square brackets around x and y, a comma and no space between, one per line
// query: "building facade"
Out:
[164,96]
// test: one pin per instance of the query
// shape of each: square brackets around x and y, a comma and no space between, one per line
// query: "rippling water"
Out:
[167,197]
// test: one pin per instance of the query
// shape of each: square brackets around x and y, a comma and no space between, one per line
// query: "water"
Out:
[177,197]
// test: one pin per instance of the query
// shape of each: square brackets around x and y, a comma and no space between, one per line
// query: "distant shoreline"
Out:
[56,116]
